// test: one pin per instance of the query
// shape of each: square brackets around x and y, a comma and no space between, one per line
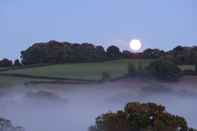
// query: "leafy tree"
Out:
[88,52]
[113,52]
[184,55]
[5,63]
[153,53]
[100,53]
[17,63]
[126,54]
[164,70]
[54,52]
[140,117]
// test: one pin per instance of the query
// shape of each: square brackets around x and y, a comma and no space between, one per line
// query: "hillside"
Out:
[86,71]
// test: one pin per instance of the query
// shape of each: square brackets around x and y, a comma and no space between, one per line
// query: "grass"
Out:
[3,68]
[83,71]
[86,71]
[6,81]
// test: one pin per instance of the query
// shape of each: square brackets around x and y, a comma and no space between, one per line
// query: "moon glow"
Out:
[135,45]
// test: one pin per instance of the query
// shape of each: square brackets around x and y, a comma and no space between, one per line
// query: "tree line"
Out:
[54,52]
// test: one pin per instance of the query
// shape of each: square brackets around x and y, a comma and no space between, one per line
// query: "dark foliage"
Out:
[113,52]
[54,52]
[5,63]
[17,63]
[6,125]
[164,70]
[126,54]
[184,55]
[140,117]
[180,55]
[153,53]
[106,76]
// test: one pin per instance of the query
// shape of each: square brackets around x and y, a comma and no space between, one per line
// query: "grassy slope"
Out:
[91,71]
[86,71]
[6,81]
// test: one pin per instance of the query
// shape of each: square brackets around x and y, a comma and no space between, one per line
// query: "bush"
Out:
[164,70]
[140,117]
[106,76]
[131,69]
[137,69]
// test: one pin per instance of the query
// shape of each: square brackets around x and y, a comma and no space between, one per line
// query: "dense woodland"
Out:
[54,52]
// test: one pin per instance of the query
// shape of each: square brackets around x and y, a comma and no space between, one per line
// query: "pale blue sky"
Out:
[157,23]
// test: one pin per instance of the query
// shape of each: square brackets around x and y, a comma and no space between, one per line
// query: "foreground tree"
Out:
[6,125]
[140,117]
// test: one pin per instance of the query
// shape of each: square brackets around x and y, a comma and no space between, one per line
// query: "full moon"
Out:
[135,45]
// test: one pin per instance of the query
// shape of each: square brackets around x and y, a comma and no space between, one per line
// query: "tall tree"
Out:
[113,52]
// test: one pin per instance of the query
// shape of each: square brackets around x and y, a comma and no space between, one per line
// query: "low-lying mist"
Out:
[75,107]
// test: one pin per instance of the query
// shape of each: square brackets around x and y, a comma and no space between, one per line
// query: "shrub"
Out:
[140,117]
[131,69]
[164,70]
[105,76]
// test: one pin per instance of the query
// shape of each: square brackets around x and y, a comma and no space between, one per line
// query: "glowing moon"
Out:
[135,45]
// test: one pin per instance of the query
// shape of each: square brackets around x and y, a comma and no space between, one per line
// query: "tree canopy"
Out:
[5,62]
[140,117]
[54,52]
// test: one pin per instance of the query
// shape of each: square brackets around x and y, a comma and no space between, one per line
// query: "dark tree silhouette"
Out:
[54,52]
[153,53]
[17,62]
[113,52]
[5,63]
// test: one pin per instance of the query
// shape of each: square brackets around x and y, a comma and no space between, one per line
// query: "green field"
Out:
[86,71]
[82,71]
[6,81]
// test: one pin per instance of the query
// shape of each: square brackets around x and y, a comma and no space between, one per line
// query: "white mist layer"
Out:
[75,107]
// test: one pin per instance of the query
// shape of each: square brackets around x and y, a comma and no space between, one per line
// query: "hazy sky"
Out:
[157,23]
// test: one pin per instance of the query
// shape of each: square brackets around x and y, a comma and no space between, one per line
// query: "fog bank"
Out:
[75,107]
